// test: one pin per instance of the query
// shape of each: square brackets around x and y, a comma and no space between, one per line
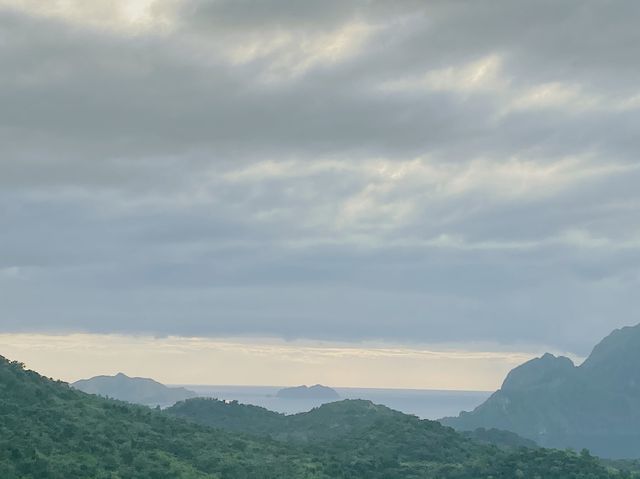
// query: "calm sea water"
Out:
[426,404]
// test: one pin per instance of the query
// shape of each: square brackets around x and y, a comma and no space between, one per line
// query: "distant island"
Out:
[143,391]
[557,404]
[304,392]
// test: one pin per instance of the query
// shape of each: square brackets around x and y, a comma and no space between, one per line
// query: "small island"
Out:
[304,392]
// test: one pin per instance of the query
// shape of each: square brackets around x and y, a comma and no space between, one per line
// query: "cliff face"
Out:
[615,361]
[556,404]
[547,371]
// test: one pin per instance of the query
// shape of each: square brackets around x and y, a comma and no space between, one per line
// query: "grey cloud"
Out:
[250,16]
[124,207]
[107,88]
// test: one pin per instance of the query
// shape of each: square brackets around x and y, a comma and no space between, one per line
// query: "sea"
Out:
[424,403]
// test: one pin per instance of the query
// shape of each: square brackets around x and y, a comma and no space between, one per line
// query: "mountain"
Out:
[329,422]
[615,362]
[375,434]
[52,431]
[313,392]
[325,423]
[134,390]
[228,415]
[550,400]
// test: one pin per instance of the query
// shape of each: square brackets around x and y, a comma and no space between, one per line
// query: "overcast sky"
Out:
[413,172]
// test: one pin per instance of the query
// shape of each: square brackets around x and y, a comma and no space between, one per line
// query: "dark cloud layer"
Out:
[440,172]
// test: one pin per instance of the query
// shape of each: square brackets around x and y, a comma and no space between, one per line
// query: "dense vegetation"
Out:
[49,430]
[549,400]
[359,436]
[353,419]
[499,437]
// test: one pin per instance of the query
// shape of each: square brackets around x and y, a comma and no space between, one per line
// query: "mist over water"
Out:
[426,404]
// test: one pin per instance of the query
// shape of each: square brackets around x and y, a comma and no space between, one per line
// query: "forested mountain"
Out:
[134,390]
[353,419]
[50,430]
[373,433]
[555,403]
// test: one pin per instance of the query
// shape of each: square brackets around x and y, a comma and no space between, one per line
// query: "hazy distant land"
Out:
[145,391]
[308,392]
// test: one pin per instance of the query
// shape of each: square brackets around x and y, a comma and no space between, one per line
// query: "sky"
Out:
[449,179]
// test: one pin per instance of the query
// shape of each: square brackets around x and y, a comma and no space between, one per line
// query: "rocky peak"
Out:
[539,372]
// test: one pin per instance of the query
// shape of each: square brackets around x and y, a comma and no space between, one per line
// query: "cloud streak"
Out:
[362,171]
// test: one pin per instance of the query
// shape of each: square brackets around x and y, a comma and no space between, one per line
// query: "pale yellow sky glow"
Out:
[122,15]
[232,361]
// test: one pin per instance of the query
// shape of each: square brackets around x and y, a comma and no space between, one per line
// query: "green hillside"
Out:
[349,427]
[334,421]
[49,430]
[362,433]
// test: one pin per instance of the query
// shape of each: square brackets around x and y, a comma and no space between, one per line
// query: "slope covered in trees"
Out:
[362,433]
[49,430]
[350,418]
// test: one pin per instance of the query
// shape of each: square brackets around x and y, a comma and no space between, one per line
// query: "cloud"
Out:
[476,76]
[121,16]
[348,171]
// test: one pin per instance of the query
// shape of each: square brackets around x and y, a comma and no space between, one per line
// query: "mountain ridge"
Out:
[327,422]
[595,405]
